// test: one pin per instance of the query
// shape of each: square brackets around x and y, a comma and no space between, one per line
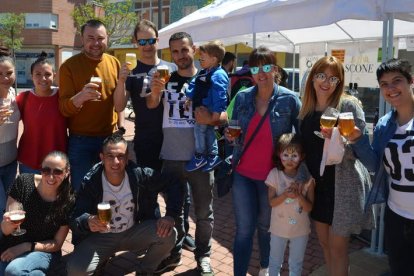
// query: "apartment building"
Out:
[48,27]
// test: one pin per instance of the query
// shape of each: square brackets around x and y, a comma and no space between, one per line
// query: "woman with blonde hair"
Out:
[338,209]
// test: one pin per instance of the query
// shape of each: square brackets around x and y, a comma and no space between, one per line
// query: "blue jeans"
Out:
[26,169]
[251,210]
[83,153]
[98,247]
[7,176]
[205,139]
[297,248]
[201,186]
[30,263]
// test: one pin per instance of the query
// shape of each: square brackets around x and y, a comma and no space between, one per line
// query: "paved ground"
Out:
[362,262]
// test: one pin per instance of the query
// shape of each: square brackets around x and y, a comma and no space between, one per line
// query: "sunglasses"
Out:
[50,171]
[265,68]
[149,41]
[322,77]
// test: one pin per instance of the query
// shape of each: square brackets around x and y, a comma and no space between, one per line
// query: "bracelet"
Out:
[32,248]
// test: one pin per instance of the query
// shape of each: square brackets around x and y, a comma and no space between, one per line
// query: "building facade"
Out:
[48,27]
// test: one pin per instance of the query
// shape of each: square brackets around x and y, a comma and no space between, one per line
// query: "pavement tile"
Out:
[221,257]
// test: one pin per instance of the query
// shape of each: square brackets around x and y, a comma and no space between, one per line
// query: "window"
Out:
[148,9]
[41,21]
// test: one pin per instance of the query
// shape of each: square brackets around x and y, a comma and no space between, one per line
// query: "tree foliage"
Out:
[119,18]
[11,26]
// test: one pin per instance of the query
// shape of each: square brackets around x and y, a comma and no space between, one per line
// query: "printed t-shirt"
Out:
[399,163]
[178,123]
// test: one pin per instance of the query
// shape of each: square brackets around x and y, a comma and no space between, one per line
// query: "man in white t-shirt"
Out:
[178,148]
[133,226]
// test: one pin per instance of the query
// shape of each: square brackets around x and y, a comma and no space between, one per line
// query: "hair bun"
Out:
[43,54]
[4,51]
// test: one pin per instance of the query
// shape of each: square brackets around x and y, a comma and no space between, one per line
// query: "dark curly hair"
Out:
[287,140]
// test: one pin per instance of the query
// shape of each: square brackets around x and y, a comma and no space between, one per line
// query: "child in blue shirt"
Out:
[208,89]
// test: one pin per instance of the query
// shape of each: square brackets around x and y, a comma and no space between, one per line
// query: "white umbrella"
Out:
[283,23]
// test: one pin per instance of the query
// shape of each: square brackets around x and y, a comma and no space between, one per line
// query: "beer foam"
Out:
[131,55]
[162,67]
[95,79]
[17,216]
[104,206]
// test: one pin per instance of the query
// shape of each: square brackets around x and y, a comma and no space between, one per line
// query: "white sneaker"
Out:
[264,272]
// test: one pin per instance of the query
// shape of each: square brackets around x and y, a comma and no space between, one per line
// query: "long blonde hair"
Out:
[309,99]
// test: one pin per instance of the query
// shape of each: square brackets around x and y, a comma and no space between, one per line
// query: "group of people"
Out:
[277,185]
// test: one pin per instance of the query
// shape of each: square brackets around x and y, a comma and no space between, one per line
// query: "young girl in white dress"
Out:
[291,203]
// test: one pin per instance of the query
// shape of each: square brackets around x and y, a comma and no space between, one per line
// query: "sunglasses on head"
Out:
[265,68]
[323,77]
[49,171]
[149,41]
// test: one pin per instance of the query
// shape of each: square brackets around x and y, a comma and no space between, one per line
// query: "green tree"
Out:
[119,18]
[11,26]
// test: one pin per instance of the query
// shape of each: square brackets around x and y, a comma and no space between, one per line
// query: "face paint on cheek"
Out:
[290,154]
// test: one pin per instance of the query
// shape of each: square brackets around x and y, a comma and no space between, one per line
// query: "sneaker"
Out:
[196,162]
[212,162]
[264,271]
[189,243]
[169,263]
[204,267]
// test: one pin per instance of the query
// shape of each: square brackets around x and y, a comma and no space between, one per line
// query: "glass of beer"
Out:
[104,212]
[17,216]
[98,81]
[346,123]
[7,104]
[132,59]
[164,72]
[328,120]
[234,129]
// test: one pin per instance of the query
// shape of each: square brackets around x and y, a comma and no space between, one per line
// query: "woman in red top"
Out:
[45,129]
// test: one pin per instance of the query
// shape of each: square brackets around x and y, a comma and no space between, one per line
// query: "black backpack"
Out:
[240,82]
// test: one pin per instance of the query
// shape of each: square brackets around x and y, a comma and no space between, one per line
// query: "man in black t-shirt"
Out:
[148,122]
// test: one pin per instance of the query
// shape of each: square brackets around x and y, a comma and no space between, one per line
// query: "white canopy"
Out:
[279,24]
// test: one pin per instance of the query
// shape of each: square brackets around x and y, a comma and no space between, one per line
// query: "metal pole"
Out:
[160,2]
[294,68]
[254,40]
[150,7]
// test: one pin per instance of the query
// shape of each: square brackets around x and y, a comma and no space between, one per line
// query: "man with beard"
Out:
[88,106]
[178,148]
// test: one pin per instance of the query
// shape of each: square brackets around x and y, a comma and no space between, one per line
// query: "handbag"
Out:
[224,174]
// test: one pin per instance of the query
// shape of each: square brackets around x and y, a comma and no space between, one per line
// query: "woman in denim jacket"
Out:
[391,156]
[251,206]
[338,209]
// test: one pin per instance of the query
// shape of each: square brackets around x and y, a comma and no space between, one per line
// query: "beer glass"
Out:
[346,124]
[328,120]
[104,212]
[98,81]
[7,103]
[164,72]
[132,59]
[234,129]
[17,216]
